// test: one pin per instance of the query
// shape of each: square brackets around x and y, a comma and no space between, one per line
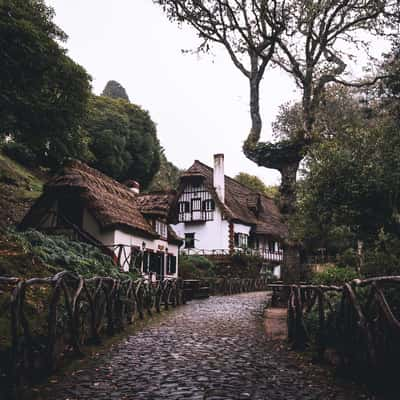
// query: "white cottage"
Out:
[91,206]
[218,215]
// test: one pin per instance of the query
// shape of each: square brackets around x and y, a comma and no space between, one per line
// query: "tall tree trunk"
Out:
[291,256]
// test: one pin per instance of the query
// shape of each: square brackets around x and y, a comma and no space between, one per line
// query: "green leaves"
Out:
[123,140]
[43,92]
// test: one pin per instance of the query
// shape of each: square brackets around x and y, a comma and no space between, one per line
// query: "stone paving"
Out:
[213,349]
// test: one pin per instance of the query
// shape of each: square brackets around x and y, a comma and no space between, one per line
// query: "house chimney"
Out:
[219,176]
[133,186]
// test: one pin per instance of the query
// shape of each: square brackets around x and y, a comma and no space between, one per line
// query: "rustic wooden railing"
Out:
[51,318]
[227,286]
[360,320]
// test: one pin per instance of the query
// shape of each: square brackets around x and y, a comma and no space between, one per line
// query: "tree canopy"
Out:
[123,140]
[255,183]
[43,93]
[350,189]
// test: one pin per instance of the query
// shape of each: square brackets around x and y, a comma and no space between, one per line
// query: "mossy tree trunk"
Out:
[284,156]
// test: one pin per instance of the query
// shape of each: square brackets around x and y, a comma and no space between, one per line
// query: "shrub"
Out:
[383,257]
[334,276]
[20,153]
[195,267]
[349,258]
[62,253]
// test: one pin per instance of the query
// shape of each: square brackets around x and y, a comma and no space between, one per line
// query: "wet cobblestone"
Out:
[211,350]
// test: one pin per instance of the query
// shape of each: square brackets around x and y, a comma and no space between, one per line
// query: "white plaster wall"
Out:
[91,226]
[210,235]
[240,228]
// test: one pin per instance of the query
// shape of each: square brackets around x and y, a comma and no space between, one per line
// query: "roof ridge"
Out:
[80,165]
[234,180]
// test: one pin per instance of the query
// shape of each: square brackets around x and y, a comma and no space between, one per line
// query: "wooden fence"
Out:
[359,320]
[51,318]
[227,286]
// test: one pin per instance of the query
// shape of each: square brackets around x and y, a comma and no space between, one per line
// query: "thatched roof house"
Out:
[101,209]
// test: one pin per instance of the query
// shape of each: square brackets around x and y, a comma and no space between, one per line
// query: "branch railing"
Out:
[276,256]
[359,320]
[51,318]
[228,286]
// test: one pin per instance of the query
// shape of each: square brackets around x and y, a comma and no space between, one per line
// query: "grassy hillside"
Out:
[19,187]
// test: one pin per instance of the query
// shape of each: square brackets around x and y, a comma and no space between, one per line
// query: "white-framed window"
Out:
[161,229]
[241,240]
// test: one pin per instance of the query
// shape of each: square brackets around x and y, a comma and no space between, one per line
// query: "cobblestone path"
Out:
[212,349]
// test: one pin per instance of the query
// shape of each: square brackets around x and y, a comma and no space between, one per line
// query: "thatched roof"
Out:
[156,203]
[112,204]
[242,204]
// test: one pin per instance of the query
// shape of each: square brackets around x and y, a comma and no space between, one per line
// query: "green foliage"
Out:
[20,153]
[383,256]
[44,93]
[255,183]
[115,90]
[167,178]
[62,253]
[195,267]
[123,140]
[243,266]
[333,275]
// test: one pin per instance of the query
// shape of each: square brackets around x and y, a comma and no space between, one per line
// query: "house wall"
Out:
[241,228]
[50,219]
[210,235]
[129,240]
[263,243]
[91,226]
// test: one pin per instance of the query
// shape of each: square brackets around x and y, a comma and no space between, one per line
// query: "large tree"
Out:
[123,140]
[311,40]
[43,93]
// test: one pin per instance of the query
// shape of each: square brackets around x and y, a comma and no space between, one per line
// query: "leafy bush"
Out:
[64,254]
[20,153]
[195,267]
[349,258]
[383,257]
[334,276]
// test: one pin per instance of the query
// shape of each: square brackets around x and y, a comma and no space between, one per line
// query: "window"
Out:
[208,205]
[183,207]
[136,258]
[146,260]
[196,204]
[271,246]
[189,241]
[241,240]
[156,263]
[171,264]
[161,229]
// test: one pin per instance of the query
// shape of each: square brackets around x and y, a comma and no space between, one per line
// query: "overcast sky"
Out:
[200,104]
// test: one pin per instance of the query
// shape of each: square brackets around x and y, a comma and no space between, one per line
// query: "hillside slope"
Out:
[19,187]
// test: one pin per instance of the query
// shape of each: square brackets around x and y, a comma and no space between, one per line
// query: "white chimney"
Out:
[219,176]
[133,186]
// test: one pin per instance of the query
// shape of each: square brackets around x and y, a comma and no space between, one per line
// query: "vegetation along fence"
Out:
[359,320]
[45,320]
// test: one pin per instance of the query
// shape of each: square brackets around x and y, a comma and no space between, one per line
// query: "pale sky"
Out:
[200,104]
